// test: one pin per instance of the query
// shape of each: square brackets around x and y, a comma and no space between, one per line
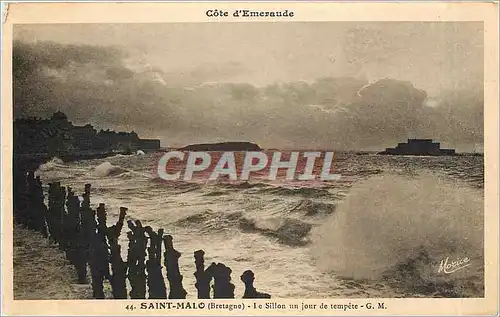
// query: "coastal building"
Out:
[418,147]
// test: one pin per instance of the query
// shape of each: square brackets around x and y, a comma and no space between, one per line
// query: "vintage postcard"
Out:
[237,158]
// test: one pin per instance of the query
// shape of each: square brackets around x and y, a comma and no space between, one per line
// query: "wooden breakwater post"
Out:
[118,266]
[65,223]
[57,199]
[29,207]
[248,279]
[156,283]
[102,243]
[203,278]
[223,288]
[174,276]
[136,258]
[95,246]
[84,234]
[71,224]
[76,251]
[20,195]
[31,184]
[38,207]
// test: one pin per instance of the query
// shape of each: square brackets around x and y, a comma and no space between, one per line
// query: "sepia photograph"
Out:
[264,160]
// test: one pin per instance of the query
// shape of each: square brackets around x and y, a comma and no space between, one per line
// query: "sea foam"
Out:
[401,229]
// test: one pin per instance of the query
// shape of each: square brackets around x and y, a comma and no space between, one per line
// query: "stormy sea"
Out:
[384,229]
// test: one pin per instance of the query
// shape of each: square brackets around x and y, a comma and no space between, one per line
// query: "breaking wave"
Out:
[210,220]
[55,170]
[308,207]
[303,192]
[107,169]
[53,164]
[399,230]
[288,231]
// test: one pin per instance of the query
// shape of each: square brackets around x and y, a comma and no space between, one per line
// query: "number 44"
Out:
[130,307]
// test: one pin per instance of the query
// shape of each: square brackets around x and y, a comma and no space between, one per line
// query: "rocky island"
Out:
[223,146]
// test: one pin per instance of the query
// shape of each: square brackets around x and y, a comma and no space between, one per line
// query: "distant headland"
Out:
[418,147]
[56,136]
[223,146]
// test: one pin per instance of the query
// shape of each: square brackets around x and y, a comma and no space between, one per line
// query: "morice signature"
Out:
[449,267]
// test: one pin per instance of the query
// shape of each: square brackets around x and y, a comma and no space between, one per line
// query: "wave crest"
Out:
[53,164]
[107,169]
[302,191]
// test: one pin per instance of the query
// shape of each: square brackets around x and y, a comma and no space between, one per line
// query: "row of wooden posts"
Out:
[82,233]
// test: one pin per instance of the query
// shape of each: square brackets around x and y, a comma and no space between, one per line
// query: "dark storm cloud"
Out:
[99,85]
[87,82]
[27,57]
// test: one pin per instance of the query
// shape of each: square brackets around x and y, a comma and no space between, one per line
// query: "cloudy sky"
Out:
[342,85]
